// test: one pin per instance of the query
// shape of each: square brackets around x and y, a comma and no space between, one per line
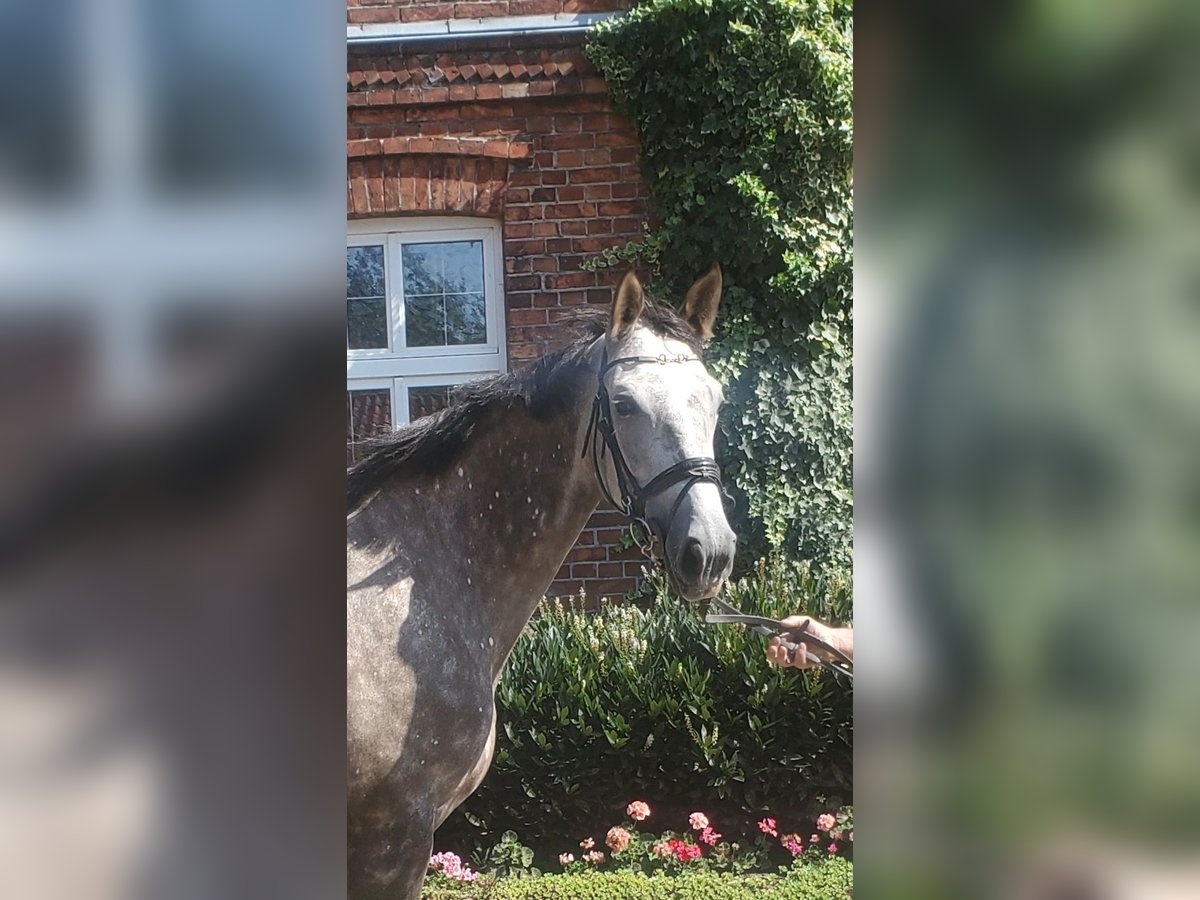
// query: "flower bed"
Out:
[632,862]
[829,879]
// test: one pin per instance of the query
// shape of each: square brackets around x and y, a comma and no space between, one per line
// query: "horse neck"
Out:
[509,511]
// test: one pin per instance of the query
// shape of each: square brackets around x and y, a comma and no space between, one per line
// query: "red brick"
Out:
[594,175]
[570,280]
[533,7]
[427,13]
[523,247]
[614,139]
[372,15]
[527,317]
[523,282]
[614,587]
[570,141]
[619,208]
[583,554]
[480,10]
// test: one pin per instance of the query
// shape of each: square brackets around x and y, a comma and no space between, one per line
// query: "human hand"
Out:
[800,658]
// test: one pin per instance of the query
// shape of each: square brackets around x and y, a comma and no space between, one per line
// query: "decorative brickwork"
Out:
[523,134]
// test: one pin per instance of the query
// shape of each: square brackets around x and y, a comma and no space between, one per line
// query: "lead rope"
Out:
[728,614]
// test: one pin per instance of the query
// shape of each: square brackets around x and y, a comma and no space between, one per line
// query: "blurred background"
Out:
[1027,428]
[172,204]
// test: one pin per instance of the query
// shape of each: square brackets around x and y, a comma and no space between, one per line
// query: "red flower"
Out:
[684,852]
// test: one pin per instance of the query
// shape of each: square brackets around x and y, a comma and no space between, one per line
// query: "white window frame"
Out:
[399,367]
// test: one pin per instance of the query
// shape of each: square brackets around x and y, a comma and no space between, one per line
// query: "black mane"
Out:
[431,445]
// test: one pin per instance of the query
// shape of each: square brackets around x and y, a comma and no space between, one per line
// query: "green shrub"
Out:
[828,880]
[652,704]
[744,118]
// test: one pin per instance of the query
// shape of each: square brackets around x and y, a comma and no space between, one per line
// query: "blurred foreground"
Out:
[1028,450]
[171,357]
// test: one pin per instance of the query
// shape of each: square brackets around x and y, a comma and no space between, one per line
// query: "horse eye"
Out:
[625,407]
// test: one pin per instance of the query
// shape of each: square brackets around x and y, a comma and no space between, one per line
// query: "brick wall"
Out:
[526,135]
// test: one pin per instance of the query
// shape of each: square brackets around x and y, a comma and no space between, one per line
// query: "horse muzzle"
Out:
[700,557]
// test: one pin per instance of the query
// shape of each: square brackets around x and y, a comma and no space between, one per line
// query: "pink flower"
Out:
[595,857]
[832,848]
[638,811]
[814,838]
[709,837]
[835,835]
[684,852]
[617,839]
[792,844]
[565,859]
[662,848]
[825,821]
[767,826]
[587,843]
[451,866]
[698,820]
[852,837]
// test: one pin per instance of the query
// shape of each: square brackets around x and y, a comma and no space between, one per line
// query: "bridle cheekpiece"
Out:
[601,438]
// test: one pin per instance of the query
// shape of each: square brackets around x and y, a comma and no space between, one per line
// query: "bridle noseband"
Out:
[633,495]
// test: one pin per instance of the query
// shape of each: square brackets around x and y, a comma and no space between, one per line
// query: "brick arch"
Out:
[467,176]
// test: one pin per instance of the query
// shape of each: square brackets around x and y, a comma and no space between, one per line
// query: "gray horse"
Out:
[458,524]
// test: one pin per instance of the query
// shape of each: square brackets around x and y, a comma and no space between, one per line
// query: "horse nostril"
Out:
[723,563]
[691,561]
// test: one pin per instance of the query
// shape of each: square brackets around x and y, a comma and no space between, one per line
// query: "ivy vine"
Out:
[744,114]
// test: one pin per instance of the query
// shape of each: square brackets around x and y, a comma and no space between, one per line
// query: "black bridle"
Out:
[633,494]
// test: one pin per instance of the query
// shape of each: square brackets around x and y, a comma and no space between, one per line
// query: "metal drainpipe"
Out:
[581,24]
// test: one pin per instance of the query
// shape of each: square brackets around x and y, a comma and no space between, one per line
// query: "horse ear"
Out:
[627,306]
[700,304]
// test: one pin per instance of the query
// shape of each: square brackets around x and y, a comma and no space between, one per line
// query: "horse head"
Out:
[651,434]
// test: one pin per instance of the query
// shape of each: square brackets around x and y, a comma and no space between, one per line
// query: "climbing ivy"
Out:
[743,110]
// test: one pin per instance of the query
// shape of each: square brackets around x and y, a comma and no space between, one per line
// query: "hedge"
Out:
[652,704]
[828,880]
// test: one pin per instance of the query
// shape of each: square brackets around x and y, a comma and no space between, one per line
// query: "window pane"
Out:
[366,308]
[424,401]
[364,271]
[443,292]
[466,321]
[450,268]
[425,321]
[368,415]
[366,323]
